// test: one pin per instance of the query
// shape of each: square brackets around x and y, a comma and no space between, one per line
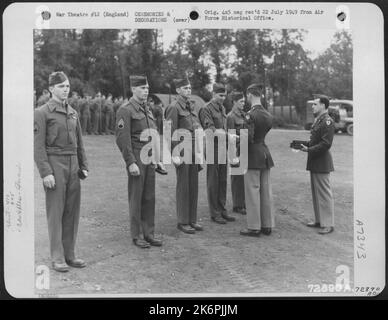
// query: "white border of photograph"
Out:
[366,24]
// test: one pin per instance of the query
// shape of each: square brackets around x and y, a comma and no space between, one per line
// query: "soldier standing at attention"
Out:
[320,164]
[181,114]
[74,101]
[236,120]
[95,110]
[132,119]
[108,114]
[258,192]
[101,122]
[85,114]
[60,157]
[213,117]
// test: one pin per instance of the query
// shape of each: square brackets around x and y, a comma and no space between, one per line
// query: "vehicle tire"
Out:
[307,126]
[349,129]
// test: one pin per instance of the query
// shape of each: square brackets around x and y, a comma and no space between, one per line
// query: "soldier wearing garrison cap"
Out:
[60,157]
[182,115]
[132,119]
[213,117]
[236,120]
[258,191]
[320,164]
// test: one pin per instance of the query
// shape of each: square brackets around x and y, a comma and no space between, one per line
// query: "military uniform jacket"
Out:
[235,120]
[319,159]
[182,115]
[57,131]
[259,122]
[108,106]
[213,116]
[95,105]
[84,107]
[131,120]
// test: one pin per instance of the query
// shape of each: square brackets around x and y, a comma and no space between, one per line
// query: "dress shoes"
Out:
[326,230]
[60,266]
[313,224]
[196,226]
[76,263]
[219,220]
[160,170]
[141,243]
[250,233]
[186,228]
[154,242]
[266,231]
[228,217]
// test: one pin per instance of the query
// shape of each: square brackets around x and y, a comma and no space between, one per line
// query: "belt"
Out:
[61,151]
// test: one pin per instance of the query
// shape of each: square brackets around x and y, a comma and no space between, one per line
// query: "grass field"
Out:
[217,260]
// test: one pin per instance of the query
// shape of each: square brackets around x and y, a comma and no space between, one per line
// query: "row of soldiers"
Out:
[98,114]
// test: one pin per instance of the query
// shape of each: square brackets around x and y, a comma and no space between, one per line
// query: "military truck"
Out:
[341,112]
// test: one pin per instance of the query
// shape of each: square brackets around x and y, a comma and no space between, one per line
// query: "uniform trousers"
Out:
[216,177]
[107,118]
[258,199]
[85,123]
[63,207]
[238,194]
[95,119]
[187,193]
[141,198]
[323,202]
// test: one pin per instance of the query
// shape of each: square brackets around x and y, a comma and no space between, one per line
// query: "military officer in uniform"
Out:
[182,115]
[320,164]
[213,117]
[236,120]
[132,119]
[258,193]
[60,157]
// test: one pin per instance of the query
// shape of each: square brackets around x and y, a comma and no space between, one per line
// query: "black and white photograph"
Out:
[194,161]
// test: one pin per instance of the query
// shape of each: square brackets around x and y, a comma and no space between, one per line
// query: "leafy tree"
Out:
[333,70]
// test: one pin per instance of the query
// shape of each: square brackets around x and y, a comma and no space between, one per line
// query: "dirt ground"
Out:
[217,260]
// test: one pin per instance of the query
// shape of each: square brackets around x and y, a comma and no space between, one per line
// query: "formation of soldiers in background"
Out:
[98,114]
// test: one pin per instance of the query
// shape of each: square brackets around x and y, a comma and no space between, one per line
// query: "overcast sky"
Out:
[316,40]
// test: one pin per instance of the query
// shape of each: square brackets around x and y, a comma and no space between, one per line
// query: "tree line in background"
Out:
[102,60]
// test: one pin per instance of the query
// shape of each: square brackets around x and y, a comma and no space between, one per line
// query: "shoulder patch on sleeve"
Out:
[120,124]
[328,122]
